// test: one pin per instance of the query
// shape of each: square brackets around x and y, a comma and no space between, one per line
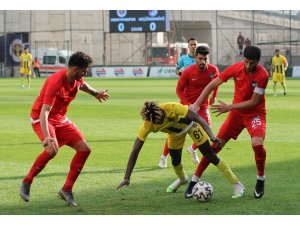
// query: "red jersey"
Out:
[192,82]
[57,93]
[246,83]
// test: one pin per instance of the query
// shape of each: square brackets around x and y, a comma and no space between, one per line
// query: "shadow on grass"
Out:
[64,174]
[147,196]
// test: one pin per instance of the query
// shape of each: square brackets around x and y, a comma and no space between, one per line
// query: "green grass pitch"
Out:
[111,128]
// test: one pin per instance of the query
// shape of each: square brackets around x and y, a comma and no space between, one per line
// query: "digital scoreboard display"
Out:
[127,21]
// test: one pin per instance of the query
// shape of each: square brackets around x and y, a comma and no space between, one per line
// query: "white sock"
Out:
[260,177]
[163,156]
[195,178]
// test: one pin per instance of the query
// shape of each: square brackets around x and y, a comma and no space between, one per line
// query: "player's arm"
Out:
[179,66]
[138,144]
[180,89]
[215,91]
[196,118]
[223,107]
[178,71]
[49,142]
[100,95]
[285,64]
[205,93]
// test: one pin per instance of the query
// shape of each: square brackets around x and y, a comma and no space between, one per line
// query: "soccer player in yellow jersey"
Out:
[178,121]
[25,66]
[278,67]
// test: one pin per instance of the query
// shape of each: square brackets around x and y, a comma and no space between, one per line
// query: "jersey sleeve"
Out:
[179,64]
[172,109]
[144,130]
[50,92]
[227,73]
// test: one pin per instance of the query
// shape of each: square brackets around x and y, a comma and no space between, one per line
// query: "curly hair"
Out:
[80,59]
[152,112]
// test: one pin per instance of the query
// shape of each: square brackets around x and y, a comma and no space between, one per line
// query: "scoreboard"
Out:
[127,21]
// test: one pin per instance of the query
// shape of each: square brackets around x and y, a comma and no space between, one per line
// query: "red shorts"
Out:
[204,113]
[236,122]
[66,133]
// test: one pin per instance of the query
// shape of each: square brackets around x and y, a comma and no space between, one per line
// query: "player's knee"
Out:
[175,156]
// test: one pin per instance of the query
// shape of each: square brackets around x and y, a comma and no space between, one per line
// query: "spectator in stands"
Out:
[247,42]
[36,67]
[240,43]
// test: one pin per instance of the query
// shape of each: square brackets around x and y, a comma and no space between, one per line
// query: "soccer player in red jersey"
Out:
[190,85]
[49,121]
[248,110]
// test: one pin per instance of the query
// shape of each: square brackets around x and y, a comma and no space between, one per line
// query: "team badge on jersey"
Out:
[211,75]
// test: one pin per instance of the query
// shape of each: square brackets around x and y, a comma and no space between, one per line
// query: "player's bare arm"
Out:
[196,118]
[138,144]
[223,107]
[49,142]
[206,92]
[100,95]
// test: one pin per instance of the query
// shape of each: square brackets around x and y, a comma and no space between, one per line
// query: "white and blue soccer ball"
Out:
[202,191]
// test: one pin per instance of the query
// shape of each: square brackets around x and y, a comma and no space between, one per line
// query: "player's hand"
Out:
[220,108]
[125,183]
[216,141]
[102,95]
[51,143]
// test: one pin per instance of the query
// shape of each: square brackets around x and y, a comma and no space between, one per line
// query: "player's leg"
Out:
[38,72]
[283,84]
[175,149]
[275,79]
[70,135]
[163,159]
[28,77]
[209,153]
[22,77]
[40,162]
[256,126]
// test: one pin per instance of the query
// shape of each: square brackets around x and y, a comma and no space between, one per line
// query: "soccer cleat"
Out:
[284,93]
[162,162]
[25,191]
[176,184]
[189,191]
[68,197]
[238,190]
[259,188]
[193,154]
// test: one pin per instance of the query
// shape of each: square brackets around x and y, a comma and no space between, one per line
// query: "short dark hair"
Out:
[80,59]
[202,49]
[252,52]
[25,48]
[192,39]
[277,50]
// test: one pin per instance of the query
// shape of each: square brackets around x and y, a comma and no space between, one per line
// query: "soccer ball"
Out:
[202,191]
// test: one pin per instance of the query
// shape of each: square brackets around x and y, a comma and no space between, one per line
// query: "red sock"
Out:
[194,146]
[166,149]
[76,166]
[204,162]
[39,164]
[260,159]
